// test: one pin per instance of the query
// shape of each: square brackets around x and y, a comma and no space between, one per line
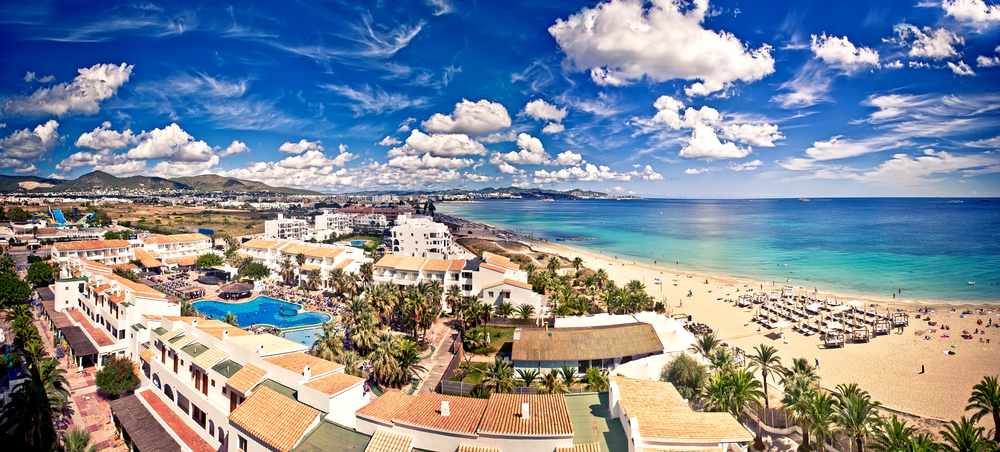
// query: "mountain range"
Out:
[101,180]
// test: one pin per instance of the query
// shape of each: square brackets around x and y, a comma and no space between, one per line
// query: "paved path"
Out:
[439,361]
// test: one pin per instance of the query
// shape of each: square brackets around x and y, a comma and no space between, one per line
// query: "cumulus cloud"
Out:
[438,145]
[507,168]
[695,171]
[498,137]
[405,125]
[985,61]
[961,68]
[300,147]
[104,138]
[429,161]
[928,42]
[894,65]
[172,168]
[745,166]
[104,160]
[567,158]
[170,142]
[81,96]
[237,147]
[623,41]
[841,53]
[24,146]
[371,176]
[470,118]
[540,110]
[315,159]
[389,141]
[553,127]
[30,77]
[975,11]
[706,124]
[531,152]
[919,65]
[592,173]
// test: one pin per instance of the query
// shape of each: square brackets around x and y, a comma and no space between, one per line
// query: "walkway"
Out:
[175,423]
[444,338]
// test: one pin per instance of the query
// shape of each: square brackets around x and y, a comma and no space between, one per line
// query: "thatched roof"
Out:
[576,344]
[236,288]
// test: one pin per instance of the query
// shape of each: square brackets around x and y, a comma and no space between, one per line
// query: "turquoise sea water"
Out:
[930,248]
[262,311]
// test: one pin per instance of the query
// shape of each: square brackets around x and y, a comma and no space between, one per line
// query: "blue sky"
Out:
[687,99]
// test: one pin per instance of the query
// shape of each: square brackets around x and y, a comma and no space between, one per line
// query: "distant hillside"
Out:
[15,183]
[529,193]
[102,180]
[211,182]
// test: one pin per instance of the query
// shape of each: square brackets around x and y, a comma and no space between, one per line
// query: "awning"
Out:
[79,341]
[60,319]
[46,294]
[146,433]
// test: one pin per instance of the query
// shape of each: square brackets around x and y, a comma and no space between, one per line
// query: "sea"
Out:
[930,249]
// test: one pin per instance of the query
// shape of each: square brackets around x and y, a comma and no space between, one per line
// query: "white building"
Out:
[107,252]
[420,236]
[324,258]
[286,228]
[335,222]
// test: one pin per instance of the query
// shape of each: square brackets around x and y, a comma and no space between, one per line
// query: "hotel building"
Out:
[286,228]
[324,258]
[422,237]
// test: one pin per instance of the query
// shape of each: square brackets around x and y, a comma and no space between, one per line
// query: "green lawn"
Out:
[501,339]
[474,376]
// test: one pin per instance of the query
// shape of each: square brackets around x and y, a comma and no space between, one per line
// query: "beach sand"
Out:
[888,366]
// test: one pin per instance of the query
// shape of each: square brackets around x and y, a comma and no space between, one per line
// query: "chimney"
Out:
[525,411]
[307,372]
[225,334]
[194,322]
[260,349]
[445,410]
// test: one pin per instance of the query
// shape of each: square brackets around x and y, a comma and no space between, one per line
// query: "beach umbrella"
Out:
[966,332]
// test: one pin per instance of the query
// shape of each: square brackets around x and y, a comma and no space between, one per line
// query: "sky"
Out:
[721,99]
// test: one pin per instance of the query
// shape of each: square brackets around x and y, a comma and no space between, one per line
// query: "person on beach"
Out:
[817,363]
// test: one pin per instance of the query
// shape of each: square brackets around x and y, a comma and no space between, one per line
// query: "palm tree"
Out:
[733,392]
[286,269]
[188,309]
[231,319]
[504,309]
[78,440]
[922,442]
[314,279]
[385,366]
[367,273]
[384,297]
[352,364]
[597,380]
[891,435]
[722,361]
[453,296]
[525,311]
[527,376]
[33,404]
[551,384]
[554,264]
[797,400]
[800,370]
[568,375]
[300,259]
[821,413]
[986,400]
[577,263]
[705,344]
[329,343]
[765,359]
[499,376]
[601,277]
[409,362]
[964,436]
[530,269]
[855,414]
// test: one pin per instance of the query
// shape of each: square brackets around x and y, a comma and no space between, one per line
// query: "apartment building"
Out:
[107,252]
[420,236]
[286,228]
[324,258]
[179,245]
[338,223]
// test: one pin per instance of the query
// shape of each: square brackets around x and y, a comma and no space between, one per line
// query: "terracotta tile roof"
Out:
[386,407]
[343,264]
[319,251]
[309,267]
[426,412]
[117,297]
[662,414]
[184,261]
[260,244]
[137,287]
[456,265]
[577,344]
[436,265]
[216,332]
[153,253]
[170,334]
[596,447]
[102,288]
[389,260]
[466,448]
[177,238]
[293,249]
[411,263]
[97,334]
[151,316]
[386,441]
[125,266]
[296,362]
[176,423]
[334,383]
[87,245]
[210,357]
[493,267]
[502,261]
[246,378]
[95,266]
[147,355]
[274,419]
[510,282]
[146,259]
[547,415]
[182,342]
[273,345]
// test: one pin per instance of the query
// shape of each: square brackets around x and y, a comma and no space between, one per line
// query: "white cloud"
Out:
[389,141]
[441,6]
[19,149]
[470,118]
[592,173]
[975,11]
[706,123]
[507,168]
[237,147]
[809,87]
[476,177]
[756,134]
[30,77]
[429,161]
[985,61]
[841,53]
[623,41]
[82,96]
[169,168]
[498,137]
[368,100]
[438,145]
[961,68]
[695,171]
[894,65]
[104,160]
[300,147]
[540,110]
[405,125]
[745,166]
[370,176]
[553,127]
[104,138]
[919,65]
[993,143]
[928,43]
[567,158]
[836,148]
[170,142]
[907,170]
[309,159]
[531,152]
[893,105]
[705,144]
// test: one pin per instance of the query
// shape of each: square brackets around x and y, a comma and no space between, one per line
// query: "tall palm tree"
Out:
[188,309]
[766,360]
[385,366]
[964,436]
[705,345]
[722,361]
[597,380]
[231,319]
[986,401]
[601,277]
[367,274]
[797,400]
[856,414]
[552,384]
[891,435]
[352,364]
[527,376]
[530,269]
[499,376]
[525,311]
[800,370]
[336,280]
[33,404]
[733,392]
[553,264]
[329,343]
[300,259]
[453,296]
[821,417]
[77,440]
[314,279]
[504,309]
[408,360]
[577,263]
[568,375]
[286,269]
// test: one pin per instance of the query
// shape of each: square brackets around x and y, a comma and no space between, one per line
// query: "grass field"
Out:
[501,339]
[234,222]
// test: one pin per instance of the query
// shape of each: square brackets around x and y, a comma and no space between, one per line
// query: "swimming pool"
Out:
[304,336]
[358,242]
[263,311]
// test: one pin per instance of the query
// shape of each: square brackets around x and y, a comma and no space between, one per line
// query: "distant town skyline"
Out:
[694,99]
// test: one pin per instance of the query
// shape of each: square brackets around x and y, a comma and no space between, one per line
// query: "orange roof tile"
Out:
[386,407]
[147,355]
[125,266]
[274,419]
[492,267]
[153,253]
[510,282]
[389,260]
[102,288]
[426,412]
[596,447]
[411,263]
[436,265]
[246,378]
[318,251]
[547,415]
[386,441]
[296,362]
[502,261]
[216,332]
[293,249]
[87,245]
[273,345]
[137,287]
[146,259]
[309,267]
[260,244]
[456,265]
[151,316]
[466,448]
[184,261]
[101,339]
[117,297]
[210,357]
[334,383]
[343,264]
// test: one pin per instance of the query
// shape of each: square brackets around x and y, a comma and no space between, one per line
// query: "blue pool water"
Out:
[358,242]
[262,311]
[304,336]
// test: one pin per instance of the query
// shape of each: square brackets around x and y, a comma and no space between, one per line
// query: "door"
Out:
[204,383]
[175,363]
[232,400]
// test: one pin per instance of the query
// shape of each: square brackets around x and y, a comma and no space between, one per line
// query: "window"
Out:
[213,384]
[243,443]
[490,294]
